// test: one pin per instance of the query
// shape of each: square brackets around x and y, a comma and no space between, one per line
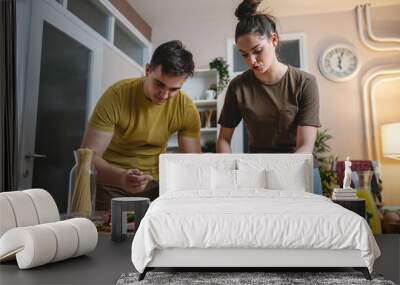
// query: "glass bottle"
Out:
[362,182]
[82,176]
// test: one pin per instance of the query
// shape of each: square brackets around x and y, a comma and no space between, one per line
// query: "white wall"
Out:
[116,67]
[341,105]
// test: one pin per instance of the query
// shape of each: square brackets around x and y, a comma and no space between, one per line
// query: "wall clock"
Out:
[339,62]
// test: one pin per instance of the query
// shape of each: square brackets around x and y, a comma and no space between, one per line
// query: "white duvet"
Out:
[250,219]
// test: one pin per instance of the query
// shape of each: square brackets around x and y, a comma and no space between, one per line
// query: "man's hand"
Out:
[134,180]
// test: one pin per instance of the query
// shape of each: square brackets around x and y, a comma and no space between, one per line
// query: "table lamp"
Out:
[391,140]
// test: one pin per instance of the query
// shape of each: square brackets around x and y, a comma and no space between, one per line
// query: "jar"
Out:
[362,182]
[82,184]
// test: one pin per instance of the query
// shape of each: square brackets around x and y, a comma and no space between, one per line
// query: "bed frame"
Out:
[249,257]
[243,259]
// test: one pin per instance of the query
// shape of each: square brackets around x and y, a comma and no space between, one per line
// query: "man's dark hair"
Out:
[173,58]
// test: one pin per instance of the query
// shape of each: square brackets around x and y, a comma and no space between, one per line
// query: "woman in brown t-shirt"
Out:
[278,103]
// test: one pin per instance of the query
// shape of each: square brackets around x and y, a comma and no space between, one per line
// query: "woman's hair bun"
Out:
[247,8]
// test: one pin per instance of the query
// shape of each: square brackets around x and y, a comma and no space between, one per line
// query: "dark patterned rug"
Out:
[231,278]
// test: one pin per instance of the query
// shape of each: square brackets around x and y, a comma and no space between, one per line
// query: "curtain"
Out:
[8,103]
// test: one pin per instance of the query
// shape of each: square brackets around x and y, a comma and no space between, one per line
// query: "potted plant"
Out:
[221,66]
[325,162]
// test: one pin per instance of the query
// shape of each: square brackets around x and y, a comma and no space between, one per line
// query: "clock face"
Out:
[339,63]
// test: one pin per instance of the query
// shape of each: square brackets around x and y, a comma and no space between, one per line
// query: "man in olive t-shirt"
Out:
[133,120]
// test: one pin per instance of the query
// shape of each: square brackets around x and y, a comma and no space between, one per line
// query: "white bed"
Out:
[231,211]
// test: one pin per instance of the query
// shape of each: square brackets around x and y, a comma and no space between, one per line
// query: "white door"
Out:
[63,75]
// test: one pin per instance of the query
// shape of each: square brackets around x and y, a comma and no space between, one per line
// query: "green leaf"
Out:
[221,66]
[325,161]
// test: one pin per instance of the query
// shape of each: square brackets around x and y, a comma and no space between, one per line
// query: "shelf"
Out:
[205,70]
[208,130]
[201,81]
[196,87]
[205,103]
[172,145]
[206,133]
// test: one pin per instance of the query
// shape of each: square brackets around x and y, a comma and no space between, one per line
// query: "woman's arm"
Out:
[306,136]
[224,140]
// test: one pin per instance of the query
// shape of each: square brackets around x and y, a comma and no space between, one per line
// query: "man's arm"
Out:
[305,141]
[224,140]
[189,145]
[98,141]
[130,180]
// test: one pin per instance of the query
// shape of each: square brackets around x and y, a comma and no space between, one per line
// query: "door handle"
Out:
[30,155]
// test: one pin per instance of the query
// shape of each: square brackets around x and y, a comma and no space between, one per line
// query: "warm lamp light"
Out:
[391,140]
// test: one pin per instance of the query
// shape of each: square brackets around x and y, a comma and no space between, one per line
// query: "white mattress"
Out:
[252,218]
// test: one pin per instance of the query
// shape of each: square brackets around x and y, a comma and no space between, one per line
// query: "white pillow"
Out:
[224,179]
[290,180]
[228,179]
[282,174]
[251,178]
[188,177]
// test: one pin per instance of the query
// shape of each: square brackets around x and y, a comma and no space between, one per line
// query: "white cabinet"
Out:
[196,88]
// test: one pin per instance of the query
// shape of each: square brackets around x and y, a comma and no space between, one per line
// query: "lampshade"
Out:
[391,140]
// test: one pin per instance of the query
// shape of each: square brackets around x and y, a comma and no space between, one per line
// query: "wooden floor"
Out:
[389,262]
[111,259]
